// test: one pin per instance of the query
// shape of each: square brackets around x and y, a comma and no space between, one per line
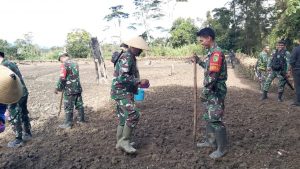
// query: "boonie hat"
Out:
[137,42]
[10,86]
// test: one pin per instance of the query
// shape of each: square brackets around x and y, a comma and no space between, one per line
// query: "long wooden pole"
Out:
[60,103]
[195,101]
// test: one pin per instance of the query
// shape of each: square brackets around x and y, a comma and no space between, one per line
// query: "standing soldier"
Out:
[18,111]
[69,83]
[124,85]
[295,67]
[261,66]
[11,90]
[214,92]
[277,67]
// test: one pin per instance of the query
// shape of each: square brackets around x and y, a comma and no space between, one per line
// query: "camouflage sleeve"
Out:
[288,57]
[125,76]
[62,78]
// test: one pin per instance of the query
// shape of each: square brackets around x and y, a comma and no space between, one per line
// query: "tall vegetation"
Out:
[78,42]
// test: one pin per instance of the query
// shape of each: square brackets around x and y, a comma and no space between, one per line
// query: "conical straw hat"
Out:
[10,86]
[137,42]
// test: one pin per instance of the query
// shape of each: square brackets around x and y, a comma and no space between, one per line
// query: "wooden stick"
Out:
[60,103]
[195,101]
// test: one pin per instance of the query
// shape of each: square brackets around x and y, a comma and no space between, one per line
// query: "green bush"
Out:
[180,52]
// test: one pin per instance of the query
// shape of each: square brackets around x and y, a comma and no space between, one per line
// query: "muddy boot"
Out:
[68,121]
[210,140]
[119,134]
[221,138]
[124,142]
[15,143]
[280,97]
[264,96]
[26,136]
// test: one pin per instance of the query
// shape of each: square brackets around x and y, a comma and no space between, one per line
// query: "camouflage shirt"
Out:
[287,56]
[13,67]
[262,61]
[69,80]
[126,77]
[215,79]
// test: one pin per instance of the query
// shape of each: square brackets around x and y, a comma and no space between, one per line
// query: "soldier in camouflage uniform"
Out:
[18,111]
[125,83]
[214,93]
[277,67]
[261,66]
[69,83]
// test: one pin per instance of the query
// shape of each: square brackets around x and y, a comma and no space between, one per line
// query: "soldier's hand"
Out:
[55,91]
[194,58]
[144,83]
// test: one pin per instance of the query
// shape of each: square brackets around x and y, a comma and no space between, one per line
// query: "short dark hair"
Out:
[205,32]
[2,54]
[281,41]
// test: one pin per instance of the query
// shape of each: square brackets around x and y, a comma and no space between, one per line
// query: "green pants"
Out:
[19,116]
[71,101]
[271,77]
[127,112]
[214,109]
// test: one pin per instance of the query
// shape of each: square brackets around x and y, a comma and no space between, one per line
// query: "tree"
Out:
[146,12]
[78,43]
[25,48]
[117,14]
[287,14]
[183,32]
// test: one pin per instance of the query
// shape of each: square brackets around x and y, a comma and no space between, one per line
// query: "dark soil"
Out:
[262,135]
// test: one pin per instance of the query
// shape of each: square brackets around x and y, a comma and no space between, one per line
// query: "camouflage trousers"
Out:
[71,101]
[19,116]
[214,110]
[127,112]
[271,76]
[262,79]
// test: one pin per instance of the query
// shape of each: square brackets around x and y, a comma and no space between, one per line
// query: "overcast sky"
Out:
[51,20]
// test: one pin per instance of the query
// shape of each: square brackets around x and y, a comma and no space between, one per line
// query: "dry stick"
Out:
[195,101]
[60,103]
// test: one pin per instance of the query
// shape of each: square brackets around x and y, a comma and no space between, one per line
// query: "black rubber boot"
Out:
[221,138]
[210,139]
[280,97]
[264,96]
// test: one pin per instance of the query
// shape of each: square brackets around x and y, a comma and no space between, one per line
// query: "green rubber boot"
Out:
[210,139]
[119,134]
[124,142]
[81,116]
[68,121]
[264,96]
[221,139]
